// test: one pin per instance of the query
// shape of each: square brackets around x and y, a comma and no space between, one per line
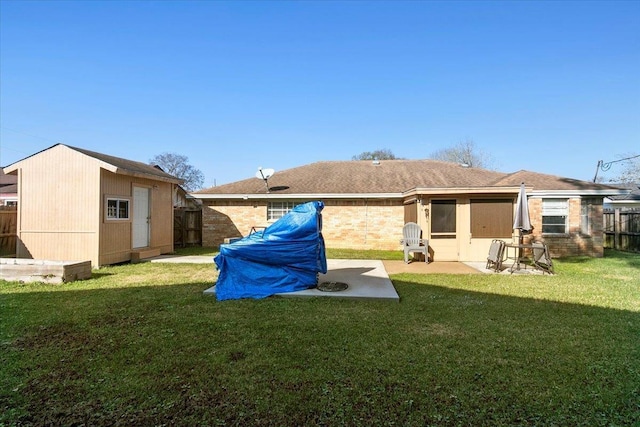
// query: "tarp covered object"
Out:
[286,257]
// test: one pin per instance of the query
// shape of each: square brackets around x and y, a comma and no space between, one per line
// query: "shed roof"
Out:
[118,165]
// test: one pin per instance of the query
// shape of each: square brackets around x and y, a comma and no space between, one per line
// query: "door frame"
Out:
[141,218]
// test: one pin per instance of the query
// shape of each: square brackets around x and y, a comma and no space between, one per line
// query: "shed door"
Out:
[141,217]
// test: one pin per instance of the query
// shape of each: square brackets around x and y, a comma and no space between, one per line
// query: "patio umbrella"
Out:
[522,222]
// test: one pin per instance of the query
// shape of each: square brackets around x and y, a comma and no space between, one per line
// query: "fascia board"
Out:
[575,193]
[296,196]
[152,177]
[461,190]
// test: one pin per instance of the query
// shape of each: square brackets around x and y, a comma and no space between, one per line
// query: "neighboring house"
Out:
[75,204]
[184,200]
[460,209]
[625,202]
[8,189]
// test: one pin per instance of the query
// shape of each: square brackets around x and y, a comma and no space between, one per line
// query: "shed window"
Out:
[555,213]
[277,210]
[491,218]
[117,208]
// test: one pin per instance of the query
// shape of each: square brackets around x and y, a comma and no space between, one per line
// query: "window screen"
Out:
[491,218]
[554,216]
[443,217]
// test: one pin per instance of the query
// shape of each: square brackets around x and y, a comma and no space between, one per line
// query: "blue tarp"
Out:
[286,257]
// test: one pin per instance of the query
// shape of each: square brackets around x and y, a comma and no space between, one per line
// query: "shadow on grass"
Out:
[443,356]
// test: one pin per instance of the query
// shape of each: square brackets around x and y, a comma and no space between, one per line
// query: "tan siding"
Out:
[115,242]
[58,212]
[115,236]
[162,216]
[61,209]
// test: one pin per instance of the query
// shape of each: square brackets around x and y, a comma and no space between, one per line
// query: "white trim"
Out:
[443,191]
[550,194]
[634,204]
[453,191]
[117,199]
[308,196]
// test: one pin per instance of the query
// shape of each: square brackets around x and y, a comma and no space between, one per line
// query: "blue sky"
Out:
[551,87]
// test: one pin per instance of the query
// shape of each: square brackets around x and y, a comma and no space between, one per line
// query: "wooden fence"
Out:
[187,227]
[8,231]
[622,230]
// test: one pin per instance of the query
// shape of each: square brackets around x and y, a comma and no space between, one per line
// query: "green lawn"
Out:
[140,345]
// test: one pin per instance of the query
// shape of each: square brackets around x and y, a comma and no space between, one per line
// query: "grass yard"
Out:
[140,345]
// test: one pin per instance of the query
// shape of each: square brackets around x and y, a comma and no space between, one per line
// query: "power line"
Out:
[21,148]
[27,134]
[606,166]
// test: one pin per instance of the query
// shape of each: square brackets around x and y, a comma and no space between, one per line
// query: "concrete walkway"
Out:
[183,259]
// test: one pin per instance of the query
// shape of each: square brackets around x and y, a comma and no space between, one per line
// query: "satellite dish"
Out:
[265,174]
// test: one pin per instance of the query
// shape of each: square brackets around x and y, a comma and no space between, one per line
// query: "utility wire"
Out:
[21,151]
[27,134]
[606,166]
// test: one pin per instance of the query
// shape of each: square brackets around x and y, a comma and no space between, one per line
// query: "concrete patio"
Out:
[366,279]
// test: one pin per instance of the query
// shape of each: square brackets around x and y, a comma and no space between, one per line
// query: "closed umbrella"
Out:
[522,222]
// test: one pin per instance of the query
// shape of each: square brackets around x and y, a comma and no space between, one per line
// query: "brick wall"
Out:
[574,243]
[355,224]
[222,219]
[377,224]
[359,224]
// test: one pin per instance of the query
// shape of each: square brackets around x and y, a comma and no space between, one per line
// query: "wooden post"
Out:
[616,229]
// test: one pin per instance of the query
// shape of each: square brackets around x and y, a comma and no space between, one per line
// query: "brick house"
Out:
[8,189]
[460,209]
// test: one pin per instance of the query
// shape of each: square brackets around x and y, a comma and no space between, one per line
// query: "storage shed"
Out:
[76,204]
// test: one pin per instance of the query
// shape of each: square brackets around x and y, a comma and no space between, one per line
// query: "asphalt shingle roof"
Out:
[391,176]
[128,165]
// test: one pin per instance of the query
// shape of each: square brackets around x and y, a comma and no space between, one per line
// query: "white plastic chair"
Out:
[413,242]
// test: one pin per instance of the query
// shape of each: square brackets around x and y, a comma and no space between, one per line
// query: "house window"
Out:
[276,210]
[555,213]
[443,219]
[491,218]
[117,209]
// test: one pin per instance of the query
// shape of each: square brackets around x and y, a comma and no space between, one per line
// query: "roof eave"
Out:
[461,190]
[320,196]
[121,171]
[576,193]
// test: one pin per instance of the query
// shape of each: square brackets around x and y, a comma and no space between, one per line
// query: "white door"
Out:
[141,217]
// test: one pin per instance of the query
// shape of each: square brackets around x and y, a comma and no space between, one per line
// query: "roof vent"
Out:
[464,165]
[376,162]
